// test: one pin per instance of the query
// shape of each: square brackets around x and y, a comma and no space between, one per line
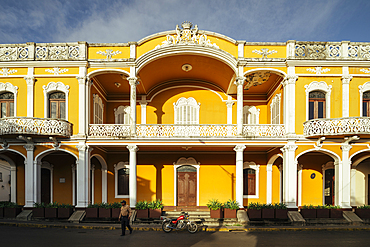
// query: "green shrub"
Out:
[39,205]
[95,205]
[115,205]
[52,205]
[231,204]
[214,204]
[64,205]
[157,204]
[104,205]
[6,204]
[364,207]
[254,205]
[279,206]
[140,205]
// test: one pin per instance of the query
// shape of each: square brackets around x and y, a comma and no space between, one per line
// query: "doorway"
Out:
[186,186]
[45,185]
[329,187]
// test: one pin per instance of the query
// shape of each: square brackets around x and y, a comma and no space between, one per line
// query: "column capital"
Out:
[289,148]
[289,79]
[229,103]
[29,147]
[82,147]
[239,148]
[81,79]
[346,79]
[30,80]
[239,81]
[346,147]
[132,148]
[133,81]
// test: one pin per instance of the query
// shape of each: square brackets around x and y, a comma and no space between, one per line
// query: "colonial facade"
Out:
[185,116]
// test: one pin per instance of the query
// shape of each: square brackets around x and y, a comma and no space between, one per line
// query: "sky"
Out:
[122,21]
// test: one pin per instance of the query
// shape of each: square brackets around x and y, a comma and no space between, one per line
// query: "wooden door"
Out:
[329,187]
[45,185]
[186,186]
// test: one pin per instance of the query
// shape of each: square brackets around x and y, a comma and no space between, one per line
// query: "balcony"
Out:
[35,126]
[337,127]
[117,131]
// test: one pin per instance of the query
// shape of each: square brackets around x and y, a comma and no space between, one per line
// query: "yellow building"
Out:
[185,116]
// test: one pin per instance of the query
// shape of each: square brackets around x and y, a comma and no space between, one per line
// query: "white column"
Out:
[133,83]
[353,187]
[300,167]
[289,103]
[104,189]
[132,177]
[29,177]
[290,175]
[239,174]
[37,180]
[30,86]
[13,184]
[345,93]
[337,182]
[143,104]
[229,107]
[73,167]
[82,131]
[241,44]
[83,176]
[344,180]
[239,104]
[92,184]
[269,183]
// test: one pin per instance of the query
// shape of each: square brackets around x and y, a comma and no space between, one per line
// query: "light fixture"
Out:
[187,67]
[117,84]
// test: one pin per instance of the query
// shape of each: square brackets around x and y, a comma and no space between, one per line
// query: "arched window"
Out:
[251,115]
[250,180]
[122,115]
[57,105]
[122,174]
[7,104]
[275,109]
[366,104]
[317,105]
[98,109]
[186,111]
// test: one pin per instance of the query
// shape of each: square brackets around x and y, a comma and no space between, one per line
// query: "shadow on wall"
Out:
[232,179]
[143,190]
[159,181]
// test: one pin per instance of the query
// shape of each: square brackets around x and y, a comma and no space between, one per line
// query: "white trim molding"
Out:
[318,86]
[8,87]
[254,166]
[117,167]
[54,87]
[362,89]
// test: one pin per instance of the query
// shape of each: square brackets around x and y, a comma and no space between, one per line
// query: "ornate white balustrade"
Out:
[336,126]
[178,131]
[35,126]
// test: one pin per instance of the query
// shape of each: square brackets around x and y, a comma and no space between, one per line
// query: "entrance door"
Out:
[186,186]
[45,185]
[368,189]
[329,187]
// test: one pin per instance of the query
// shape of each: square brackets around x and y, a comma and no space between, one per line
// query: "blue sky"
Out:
[112,21]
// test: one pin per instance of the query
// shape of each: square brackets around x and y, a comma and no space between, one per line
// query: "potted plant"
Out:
[281,211]
[215,207]
[2,206]
[116,207]
[322,211]
[363,211]
[65,211]
[335,211]
[308,211]
[254,210]
[92,211]
[38,210]
[51,210]
[267,211]
[142,211]
[155,208]
[105,210]
[11,209]
[230,208]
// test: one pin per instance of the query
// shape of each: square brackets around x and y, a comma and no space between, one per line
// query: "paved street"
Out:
[28,236]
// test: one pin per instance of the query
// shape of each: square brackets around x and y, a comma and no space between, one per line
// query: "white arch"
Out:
[8,87]
[107,71]
[12,150]
[280,72]
[318,86]
[54,87]
[358,161]
[41,155]
[104,179]
[362,89]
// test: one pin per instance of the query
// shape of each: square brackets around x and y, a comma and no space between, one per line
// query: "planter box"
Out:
[268,213]
[336,213]
[64,213]
[105,213]
[254,213]
[323,213]
[142,213]
[155,213]
[363,213]
[115,212]
[281,213]
[216,214]
[91,213]
[38,212]
[308,213]
[51,212]
[229,213]
[1,213]
[11,212]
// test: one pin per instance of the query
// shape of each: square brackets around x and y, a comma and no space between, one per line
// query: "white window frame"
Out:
[318,86]
[251,115]
[275,109]
[182,108]
[117,167]
[98,109]
[363,89]
[254,166]
[8,87]
[126,111]
[51,88]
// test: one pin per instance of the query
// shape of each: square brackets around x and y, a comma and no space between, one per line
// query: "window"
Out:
[186,111]
[251,115]
[275,109]
[366,104]
[317,106]
[98,109]
[123,181]
[57,105]
[249,181]
[122,114]
[7,104]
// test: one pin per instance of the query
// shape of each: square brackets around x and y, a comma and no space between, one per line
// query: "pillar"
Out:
[239,104]
[345,94]
[239,174]
[82,123]
[133,83]
[289,103]
[30,87]
[289,175]
[132,177]
[143,104]
[83,175]
[29,177]
[344,181]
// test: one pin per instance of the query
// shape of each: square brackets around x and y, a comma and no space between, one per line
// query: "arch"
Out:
[104,176]
[122,119]
[362,89]
[42,154]
[51,88]
[270,163]
[254,166]
[318,86]
[15,151]
[186,111]
[107,71]
[117,167]
[333,155]
[50,167]
[13,177]
[277,71]
[8,87]
[358,161]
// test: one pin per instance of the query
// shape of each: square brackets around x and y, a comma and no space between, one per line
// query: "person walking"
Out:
[124,217]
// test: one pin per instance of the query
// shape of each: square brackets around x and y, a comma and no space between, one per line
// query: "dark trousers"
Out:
[125,221]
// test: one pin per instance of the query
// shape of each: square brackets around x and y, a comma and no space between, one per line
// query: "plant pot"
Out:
[281,213]
[91,213]
[11,212]
[363,213]
[216,214]
[308,213]
[38,212]
[64,213]
[105,213]
[268,213]
[229,213]
[336,213]
[142,213]
[323,213]
[254,213]
[51,212]
[155,213]
[1,213]
[115,212]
